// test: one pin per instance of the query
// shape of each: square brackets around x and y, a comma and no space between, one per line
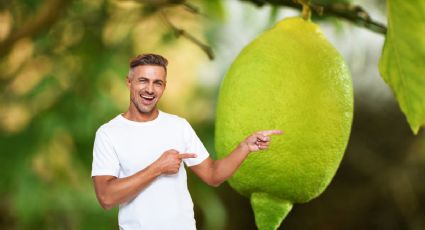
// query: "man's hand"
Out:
[215,172]
[170,161]
[259,140]
[111,191]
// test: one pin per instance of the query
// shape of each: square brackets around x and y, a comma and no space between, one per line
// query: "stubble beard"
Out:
[142,109]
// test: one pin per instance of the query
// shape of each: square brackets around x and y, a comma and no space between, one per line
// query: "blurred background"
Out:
[63,65]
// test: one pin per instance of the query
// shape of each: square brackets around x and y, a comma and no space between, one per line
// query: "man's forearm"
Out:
[111,191]
[121,190]
[226,167]
[216,172]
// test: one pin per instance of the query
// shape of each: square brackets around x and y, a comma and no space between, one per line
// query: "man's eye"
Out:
[158,83]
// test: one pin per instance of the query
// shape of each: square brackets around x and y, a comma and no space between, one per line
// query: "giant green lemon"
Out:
[289,78]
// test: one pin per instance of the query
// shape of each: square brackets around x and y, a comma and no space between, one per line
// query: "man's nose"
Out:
[149,88]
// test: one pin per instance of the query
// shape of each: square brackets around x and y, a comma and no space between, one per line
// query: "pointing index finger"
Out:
[271,132]
[186,155]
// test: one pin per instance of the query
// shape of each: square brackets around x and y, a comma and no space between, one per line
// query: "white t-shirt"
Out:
[123,147]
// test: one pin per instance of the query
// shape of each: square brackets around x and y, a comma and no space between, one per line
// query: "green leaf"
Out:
[402,64]
[215,9]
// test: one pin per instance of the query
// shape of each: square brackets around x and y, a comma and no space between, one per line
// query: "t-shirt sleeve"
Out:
[105,160]
[193,145]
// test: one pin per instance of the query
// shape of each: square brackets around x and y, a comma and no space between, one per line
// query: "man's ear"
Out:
[128,81]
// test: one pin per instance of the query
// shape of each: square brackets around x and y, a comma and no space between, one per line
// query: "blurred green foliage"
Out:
[62,70]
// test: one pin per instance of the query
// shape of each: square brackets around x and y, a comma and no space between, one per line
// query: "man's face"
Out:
[146,85]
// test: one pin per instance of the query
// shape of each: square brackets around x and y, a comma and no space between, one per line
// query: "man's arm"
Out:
[215,172]
[111,191]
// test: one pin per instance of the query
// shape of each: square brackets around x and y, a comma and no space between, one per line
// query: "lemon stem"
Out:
[269,211]
[306,13]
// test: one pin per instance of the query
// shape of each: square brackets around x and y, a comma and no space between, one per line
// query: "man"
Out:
[138,155]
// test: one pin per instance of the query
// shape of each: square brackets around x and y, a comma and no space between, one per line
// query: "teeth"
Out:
[147,97]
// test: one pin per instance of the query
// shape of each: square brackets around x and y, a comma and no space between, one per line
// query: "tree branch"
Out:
[347,11]
[46,16]
[180,32]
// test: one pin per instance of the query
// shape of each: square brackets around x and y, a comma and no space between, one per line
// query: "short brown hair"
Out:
[149,59]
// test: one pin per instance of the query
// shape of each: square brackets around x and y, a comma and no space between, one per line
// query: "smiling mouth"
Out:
[147,99]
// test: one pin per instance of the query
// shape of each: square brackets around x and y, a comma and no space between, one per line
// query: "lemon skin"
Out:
[289,78]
